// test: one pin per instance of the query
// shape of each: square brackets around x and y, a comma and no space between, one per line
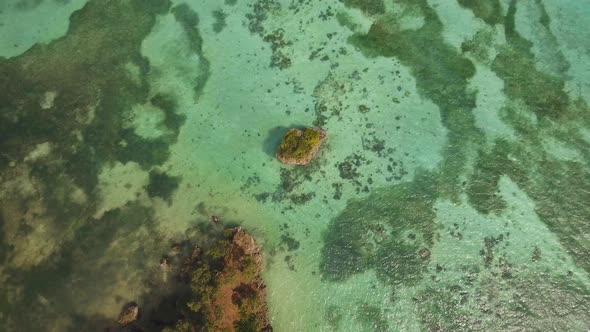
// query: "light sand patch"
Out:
[77,195]
[175,67]
[22,29]
[355,20]
[119,184]
[40,151]
[560,150]
[585,132]
[48,99]
[567,16]
[408,17]
[490,99]
[147,121]
[548,58]
[134,72]
[459,23]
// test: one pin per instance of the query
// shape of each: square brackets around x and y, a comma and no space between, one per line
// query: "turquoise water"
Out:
[452,193]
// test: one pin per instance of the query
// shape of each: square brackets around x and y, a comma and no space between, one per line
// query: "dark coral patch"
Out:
[86,72]
[373,234]
[162,185]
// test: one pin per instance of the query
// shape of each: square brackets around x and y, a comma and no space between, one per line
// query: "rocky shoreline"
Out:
[218,288]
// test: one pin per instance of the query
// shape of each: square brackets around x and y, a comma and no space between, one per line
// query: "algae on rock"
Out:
[300,146]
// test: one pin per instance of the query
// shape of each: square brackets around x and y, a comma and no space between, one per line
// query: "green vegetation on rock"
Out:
[299,146]
[231,265]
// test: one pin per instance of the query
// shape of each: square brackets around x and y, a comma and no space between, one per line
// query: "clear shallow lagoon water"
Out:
[453,192]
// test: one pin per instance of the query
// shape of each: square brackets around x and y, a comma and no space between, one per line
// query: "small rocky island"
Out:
[300,146]
[227,292]
[218,287]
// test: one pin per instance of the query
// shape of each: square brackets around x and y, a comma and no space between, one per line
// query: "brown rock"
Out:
[246,242]
[129,314]
[299,147]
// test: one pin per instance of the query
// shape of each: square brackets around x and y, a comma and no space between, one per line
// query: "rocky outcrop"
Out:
[299,147]
[227,292]
[241,292]
[246,243]
[129,314]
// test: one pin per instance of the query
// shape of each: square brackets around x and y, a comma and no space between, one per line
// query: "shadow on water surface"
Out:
[274,137]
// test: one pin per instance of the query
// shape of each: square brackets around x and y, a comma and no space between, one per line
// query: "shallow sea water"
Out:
[452,193]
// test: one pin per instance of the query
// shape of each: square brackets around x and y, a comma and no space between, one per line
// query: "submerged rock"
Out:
[300,146]
[129,314]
